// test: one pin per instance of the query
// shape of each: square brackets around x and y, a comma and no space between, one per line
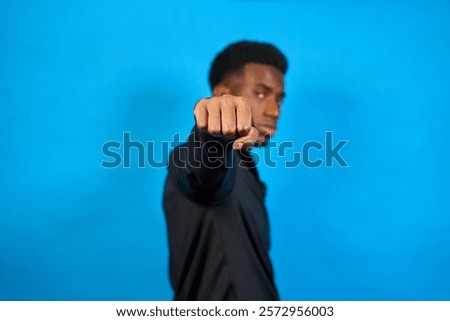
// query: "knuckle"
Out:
[213,106]
[243,100]
[244,129]
[201,125]
[228,100]
[228,132]
[200,103]
[213,130]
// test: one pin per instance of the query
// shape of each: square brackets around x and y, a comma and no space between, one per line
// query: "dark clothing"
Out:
[217,223]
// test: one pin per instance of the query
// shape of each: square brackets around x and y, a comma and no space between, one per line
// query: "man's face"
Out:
[263,87]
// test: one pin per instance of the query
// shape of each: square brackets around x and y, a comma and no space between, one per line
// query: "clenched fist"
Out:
[227,115]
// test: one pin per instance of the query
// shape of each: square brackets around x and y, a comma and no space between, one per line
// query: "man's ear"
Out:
[220,90]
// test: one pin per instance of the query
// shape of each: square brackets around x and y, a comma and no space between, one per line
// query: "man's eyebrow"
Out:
[265,87]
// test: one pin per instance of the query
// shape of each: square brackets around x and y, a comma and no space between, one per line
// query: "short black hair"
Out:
[236,55]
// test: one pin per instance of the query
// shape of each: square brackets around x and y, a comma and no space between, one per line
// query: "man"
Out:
[213,200]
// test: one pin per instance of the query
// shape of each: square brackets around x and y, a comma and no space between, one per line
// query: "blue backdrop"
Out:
[76,74]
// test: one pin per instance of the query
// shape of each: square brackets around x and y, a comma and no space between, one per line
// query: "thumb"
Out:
[247,141]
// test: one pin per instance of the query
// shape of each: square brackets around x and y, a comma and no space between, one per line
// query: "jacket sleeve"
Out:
[203,169]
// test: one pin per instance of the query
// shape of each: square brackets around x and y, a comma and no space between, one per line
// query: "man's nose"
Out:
[272,109]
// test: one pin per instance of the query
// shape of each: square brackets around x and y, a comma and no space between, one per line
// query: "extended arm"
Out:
[203,168]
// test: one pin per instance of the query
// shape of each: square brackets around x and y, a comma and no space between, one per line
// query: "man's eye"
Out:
[260,95]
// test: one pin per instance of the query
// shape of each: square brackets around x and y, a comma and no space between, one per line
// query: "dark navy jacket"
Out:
[217,223]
